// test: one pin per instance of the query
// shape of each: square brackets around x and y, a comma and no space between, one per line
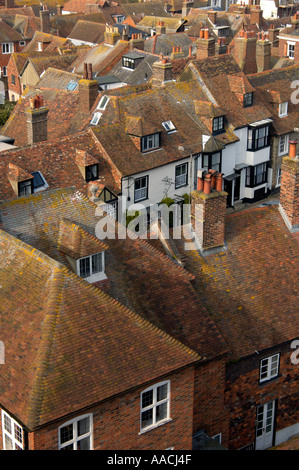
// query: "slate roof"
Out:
[142,72]
[164,43]
[251,289]
[77,345]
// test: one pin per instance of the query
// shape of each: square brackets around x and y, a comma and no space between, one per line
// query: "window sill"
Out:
[150,428]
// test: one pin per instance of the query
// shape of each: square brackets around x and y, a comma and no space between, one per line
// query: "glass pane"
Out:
[84,444]
[161,412]
[18,433]
[162,392]
[83,426]
[7,424]
[97,263]
[147,398]
[66,433]
[146,418]
[8,443]
[84,267]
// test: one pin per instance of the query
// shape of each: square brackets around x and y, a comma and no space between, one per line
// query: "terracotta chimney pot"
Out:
[293,148]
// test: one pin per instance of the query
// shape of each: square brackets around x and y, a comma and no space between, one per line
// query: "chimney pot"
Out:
[207,184]
[293,148]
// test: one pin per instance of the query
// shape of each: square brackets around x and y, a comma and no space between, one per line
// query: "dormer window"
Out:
[95,119]
[39,46]
[39,182]
[248,100]
[103,102]
[283,109]
[128,62]
[169,126]
[25,188]
[218,124]
[150,142]
[91,267]
[91,172]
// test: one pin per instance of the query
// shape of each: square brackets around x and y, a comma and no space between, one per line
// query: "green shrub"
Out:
[5,111]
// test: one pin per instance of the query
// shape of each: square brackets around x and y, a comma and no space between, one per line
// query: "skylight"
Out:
[96,118]
[72,86]
[169,126]
[103,102]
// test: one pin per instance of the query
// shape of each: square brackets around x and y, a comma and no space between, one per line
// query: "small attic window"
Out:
[103,102]
[128,62]
[72,86]
[92,268]
[283,109]
[218,124]
[39,182]
[169,126]
[248,100]
[91,172]
[96,118]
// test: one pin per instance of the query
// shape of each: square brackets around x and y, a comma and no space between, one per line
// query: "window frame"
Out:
[89,168]
[284,137]
[7,47]
[281,111]
[218,124]
[143,187]
[104,98]
[151,138]
[211,165]
[154,405]
[25,184]
[95,118]
[177,176]
[11,435]
[92,273]
[252,175]
[291,50]
[75,439]
[268,366]
[254,139]
[247,103]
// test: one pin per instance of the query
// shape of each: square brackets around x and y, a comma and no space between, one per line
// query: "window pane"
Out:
[18,433]
[97,263]
[84,444]
[83,426]
[8,443]
[7,424]
[161,412]
[162,392]
[146,418]
[84,267]
[68,447]
[66,433]
[147,398]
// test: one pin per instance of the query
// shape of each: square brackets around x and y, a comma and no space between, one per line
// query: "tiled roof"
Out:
[172,24]
[53,42]
[65,23]
[220,75]
[88,31]
[63,62]
[58,79]
[25,25]
[275,86]
[251,289]
[131,265]
[57,164]
[77,345]
[7,33]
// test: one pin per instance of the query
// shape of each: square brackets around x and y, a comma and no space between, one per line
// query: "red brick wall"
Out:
[210,414]
[244,394]
[283,48]
[116,423]
[289,190]
[13,88]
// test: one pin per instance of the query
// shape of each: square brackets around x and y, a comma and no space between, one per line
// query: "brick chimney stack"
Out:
[289,189]
[160,28]
[205,45]
[37,121]
[45,25]
[137,41]
[88,90]
[111,35]
[263,53]
[186,7]
[208,210]
[162,72]
[244,51]
[256,16]
[59,9]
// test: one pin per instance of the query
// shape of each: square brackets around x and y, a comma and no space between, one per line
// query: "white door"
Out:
[264,426]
